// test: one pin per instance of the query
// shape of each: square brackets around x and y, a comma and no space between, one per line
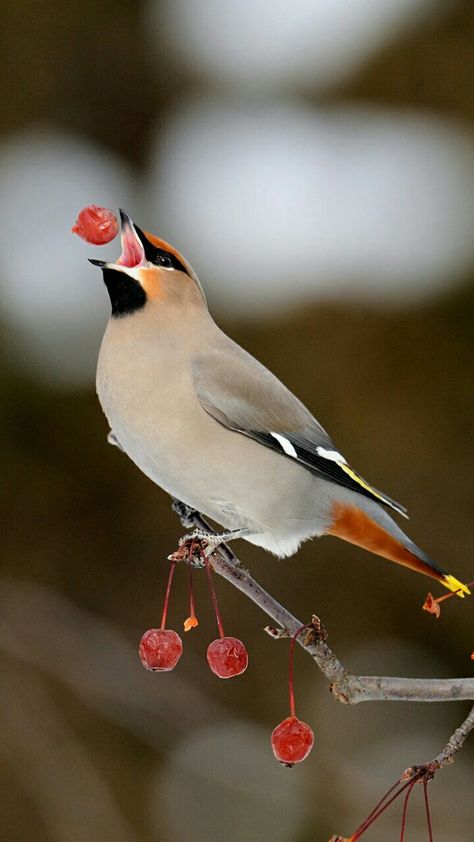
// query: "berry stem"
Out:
[383,804]
[370,818]
[427,807]
[405,807]
[167,594]
[214,599]
[290,668]
[192,621]
[192,607]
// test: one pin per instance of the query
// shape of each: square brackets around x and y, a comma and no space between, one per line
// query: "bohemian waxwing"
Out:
[213,427]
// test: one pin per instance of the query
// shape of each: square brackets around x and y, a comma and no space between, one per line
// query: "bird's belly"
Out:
[226,475]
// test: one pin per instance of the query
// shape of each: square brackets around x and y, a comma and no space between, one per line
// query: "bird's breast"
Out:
[148,404]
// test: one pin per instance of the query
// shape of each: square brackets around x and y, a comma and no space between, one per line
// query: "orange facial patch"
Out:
[152,282]
[353,525]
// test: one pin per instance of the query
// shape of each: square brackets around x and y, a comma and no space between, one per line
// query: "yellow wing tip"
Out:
[454,585]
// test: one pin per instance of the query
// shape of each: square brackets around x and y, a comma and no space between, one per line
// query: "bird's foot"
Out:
[191,549]
[195,548]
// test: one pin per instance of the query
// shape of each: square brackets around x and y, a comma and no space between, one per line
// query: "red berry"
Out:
[96,225]
[227,656]
[292,741]
[160,649]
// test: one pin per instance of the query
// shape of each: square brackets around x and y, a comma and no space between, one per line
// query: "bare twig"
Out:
[447,755]
[423,774]
[455,742]
[347,688]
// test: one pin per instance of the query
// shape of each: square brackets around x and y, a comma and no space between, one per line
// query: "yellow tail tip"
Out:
[454,585]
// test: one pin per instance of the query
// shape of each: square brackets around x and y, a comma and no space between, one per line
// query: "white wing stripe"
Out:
[333,455]
[286,445]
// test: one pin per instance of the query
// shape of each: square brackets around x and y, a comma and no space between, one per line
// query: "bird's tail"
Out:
[367,525]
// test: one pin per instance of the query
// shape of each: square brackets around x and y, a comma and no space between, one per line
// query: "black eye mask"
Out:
[160,257]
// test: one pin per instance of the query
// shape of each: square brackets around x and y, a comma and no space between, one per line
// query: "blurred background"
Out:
[315,163]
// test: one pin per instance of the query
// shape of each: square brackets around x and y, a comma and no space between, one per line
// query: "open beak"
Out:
[133,253]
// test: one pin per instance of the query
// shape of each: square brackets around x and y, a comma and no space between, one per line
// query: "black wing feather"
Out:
[323,467]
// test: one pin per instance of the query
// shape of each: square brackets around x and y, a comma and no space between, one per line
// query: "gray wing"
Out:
[242,395]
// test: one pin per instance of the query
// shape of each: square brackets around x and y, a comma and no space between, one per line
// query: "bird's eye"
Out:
[164,260]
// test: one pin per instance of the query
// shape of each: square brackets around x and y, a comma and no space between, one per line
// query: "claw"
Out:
[193,549]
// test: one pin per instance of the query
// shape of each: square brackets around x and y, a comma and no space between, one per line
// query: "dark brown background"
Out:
[92,747]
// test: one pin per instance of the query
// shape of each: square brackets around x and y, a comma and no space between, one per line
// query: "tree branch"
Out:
[346,687]
[426,771]
[447,755]
[455,742]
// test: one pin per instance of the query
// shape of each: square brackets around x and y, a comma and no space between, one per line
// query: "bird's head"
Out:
[148,273]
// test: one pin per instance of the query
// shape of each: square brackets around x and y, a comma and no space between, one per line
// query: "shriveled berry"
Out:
[292,741]
[227,656]
[96,225]
[160,649]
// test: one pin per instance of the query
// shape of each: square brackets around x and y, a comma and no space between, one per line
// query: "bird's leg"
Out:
[185,513]
[213,539]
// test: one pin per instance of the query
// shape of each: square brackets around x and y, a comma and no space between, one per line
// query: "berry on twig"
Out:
[293,739]
[160,649]
[226,656]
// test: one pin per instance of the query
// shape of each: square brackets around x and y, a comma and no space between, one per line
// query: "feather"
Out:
[242,395]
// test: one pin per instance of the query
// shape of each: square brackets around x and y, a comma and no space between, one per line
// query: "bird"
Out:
[213,427]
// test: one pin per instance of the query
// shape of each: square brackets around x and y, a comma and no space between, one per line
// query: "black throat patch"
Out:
[126,294]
